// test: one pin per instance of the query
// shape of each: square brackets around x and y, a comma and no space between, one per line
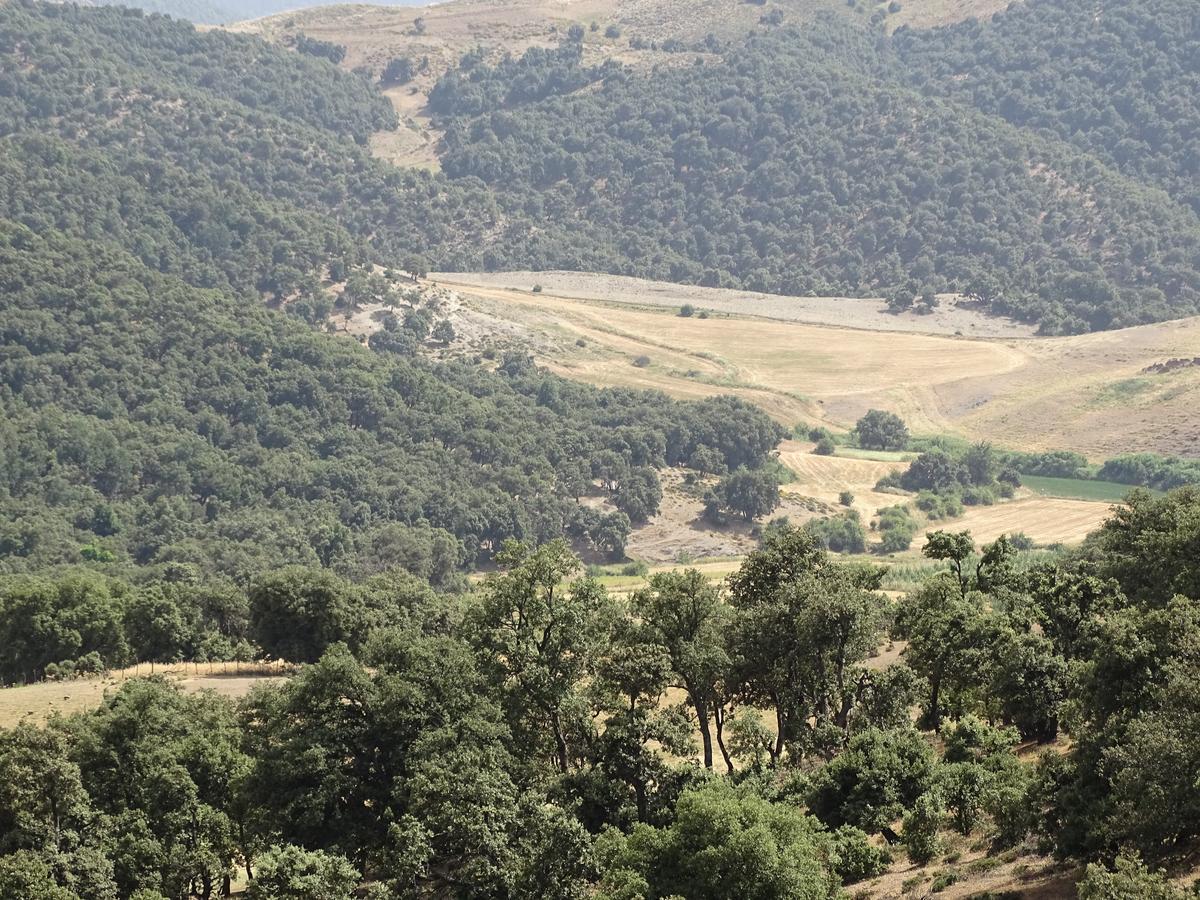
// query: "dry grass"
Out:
[1048,520]
[1086,393]
[36,703]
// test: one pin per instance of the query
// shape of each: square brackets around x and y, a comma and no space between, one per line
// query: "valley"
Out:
[798,360]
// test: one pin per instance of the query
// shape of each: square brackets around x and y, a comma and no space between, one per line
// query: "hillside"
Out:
[335,563]
[812,157]
[218,12]
[242,438]
[827,361]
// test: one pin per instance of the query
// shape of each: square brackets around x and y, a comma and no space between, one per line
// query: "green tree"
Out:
[749,493]
[874,780]
[543,635]
[296,613]
[879,430]
[687,617]
[293,873]
[723,843]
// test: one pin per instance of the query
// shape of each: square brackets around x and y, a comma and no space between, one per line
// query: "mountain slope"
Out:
[156,186]
[792,166]
[215,12]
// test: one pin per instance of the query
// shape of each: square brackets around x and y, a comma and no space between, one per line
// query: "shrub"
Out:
[841,534]
[939,506]
[978,496]
[537,288]
[1021,541]
[687,311]
[641,361]
[1130,878]
[854,857]
[921,826]
[846,498]
[897,528]
[825,447]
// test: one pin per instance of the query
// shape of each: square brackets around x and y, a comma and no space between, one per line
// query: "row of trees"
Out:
[541,738]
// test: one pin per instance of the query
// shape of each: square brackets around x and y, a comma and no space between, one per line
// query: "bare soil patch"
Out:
[953,316]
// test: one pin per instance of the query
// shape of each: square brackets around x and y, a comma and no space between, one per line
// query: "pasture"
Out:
[1024,393]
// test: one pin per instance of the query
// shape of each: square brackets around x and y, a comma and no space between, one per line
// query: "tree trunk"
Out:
[705,733]
[777,751]
[643,804]
[719,718]
[935,711]
[561,743]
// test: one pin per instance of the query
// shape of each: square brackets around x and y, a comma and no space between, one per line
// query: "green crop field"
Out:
[1076,488]
[875,455]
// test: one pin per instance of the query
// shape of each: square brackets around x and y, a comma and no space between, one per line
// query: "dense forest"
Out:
[194,466]
[540,738]
[828,161]
[158,186]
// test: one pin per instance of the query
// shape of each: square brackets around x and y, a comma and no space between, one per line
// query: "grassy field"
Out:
[1076,488]
[875,455]
[35,703]
[1021,393]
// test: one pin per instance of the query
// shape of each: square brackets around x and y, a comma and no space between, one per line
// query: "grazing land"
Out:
[35,703]
[1076,488]
[1021,392]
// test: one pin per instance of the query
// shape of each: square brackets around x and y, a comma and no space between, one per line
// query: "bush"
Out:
[1021,541]
[641,361]
[921,826]
[939,506]
[825,447]
[537,288]
[846,498]
[897,528]
[399,71]
[612,32]
[978,496]
[841,534]
[687,311]
[1129,880]
[854,857]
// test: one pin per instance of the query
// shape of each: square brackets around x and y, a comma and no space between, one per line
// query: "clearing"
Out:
[1097,394]
[36,703]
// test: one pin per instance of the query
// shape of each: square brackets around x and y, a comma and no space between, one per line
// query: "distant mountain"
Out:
[209,12]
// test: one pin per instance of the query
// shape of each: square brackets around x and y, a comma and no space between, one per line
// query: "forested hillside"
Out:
[196,465]
[216,12]
[158,185]
[830,162]
[541,739]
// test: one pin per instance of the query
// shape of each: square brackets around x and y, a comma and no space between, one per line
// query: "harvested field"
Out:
[950,318]
[36,703]
[1048,520]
